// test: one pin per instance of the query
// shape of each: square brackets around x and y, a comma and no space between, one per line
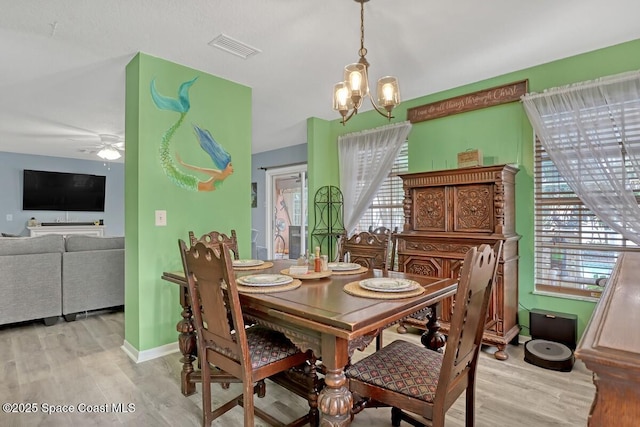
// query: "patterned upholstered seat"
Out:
[265,346]
[421,384]
[402,367]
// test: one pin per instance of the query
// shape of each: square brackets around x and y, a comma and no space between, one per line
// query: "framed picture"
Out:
[254,194]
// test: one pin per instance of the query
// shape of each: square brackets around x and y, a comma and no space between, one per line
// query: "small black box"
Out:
[554,326]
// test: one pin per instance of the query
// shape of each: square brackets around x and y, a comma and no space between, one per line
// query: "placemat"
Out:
[353,288]
[269,289]
[264,266]
[308,276]
[344,273]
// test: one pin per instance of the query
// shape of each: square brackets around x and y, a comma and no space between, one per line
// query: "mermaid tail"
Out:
[219,156]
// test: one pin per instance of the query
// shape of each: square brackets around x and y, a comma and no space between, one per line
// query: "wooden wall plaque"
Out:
[473,101]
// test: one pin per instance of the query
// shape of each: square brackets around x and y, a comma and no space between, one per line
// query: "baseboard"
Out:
[523,339]
[152,353]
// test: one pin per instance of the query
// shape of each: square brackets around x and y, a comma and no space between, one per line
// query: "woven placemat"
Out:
[308,276]
[264,266]
[344,273]
[269,289]
[354,288]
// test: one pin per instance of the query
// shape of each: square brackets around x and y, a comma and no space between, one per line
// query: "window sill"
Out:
[567,296]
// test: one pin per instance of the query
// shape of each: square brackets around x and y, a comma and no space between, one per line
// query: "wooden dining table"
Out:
[319,315]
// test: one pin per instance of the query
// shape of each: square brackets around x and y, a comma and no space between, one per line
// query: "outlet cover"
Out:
[161,218]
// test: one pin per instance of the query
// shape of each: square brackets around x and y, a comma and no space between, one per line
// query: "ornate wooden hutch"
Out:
[446,213]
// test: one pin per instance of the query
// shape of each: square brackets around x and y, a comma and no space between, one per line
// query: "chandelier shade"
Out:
[349,94]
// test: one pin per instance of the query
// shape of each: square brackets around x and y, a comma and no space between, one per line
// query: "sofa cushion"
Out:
[32,245]
[79,242]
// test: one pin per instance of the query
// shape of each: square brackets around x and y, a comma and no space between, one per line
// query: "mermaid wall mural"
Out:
[175,168]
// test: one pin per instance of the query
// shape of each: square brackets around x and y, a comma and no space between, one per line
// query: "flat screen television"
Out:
[61,191]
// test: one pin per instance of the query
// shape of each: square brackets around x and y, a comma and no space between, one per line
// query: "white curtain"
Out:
[365,160]
[591,132]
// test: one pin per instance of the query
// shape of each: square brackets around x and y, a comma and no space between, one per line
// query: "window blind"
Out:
[573,247]
[386,208]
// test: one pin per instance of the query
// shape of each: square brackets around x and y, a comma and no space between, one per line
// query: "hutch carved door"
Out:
[448,212]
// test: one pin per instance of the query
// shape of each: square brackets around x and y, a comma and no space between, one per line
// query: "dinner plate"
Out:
[385,284]
[343,266]
[247,262]
[265,280]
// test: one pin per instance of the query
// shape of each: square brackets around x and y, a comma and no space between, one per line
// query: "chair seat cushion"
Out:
[268,346]
[402,367]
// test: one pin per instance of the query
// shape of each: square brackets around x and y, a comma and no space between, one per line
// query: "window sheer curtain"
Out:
[591,132]
[365,159]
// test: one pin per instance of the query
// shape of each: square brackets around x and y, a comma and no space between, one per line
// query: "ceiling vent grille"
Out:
[233,46]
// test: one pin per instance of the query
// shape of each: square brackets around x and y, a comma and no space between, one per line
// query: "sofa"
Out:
[47,276]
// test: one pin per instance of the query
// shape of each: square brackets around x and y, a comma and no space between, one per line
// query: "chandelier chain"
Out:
[362,52]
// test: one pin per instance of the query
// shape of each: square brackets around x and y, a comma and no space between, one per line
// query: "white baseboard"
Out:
[523,339]
[152,353]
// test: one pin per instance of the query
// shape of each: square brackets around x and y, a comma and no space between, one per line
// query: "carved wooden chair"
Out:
[393,241]
[214,237]
[420,384]
[229,351]
[367,249]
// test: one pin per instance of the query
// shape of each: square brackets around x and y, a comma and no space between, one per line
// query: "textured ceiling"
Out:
[62,70]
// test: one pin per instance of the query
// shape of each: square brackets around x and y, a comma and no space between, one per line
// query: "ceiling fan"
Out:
[110,147]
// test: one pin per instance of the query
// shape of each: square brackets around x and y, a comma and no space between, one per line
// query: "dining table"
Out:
[327,315]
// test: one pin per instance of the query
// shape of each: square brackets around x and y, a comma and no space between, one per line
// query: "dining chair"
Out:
[421,384]
[367,249]
[393,240]
[214,237]
[230,351]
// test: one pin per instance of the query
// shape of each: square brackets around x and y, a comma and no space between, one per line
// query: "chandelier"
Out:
[349,94]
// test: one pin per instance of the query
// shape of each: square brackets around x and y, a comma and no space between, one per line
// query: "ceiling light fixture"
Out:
[349,94]
[109,153]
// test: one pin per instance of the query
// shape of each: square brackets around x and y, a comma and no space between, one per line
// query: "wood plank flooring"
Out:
[81,363]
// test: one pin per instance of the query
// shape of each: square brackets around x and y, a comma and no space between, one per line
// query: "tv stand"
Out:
[67,229]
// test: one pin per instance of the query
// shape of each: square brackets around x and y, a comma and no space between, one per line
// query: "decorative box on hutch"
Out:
[446,213]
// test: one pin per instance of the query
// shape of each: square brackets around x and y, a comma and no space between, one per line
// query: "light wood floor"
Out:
[82,363]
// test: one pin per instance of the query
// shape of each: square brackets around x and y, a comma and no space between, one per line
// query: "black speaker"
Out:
[553,340]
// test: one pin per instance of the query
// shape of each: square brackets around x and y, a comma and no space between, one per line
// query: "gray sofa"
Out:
[47,276]
[92,274]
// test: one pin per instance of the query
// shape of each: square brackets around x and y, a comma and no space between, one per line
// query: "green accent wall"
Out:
[223,108]
[504,135]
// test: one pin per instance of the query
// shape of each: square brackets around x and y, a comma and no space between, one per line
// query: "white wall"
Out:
[11,167]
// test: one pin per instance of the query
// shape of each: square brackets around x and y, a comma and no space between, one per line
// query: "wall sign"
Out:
[474,101]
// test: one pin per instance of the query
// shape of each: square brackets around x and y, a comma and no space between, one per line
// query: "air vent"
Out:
[236,47]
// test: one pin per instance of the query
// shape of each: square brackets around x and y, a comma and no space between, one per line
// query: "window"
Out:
[386,208]
[573,248]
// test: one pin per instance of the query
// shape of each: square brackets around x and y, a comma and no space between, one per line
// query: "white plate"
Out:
[247,262]
[343,266]
[384,284]
[265,280]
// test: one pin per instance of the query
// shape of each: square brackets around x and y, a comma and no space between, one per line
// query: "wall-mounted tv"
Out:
[61,191]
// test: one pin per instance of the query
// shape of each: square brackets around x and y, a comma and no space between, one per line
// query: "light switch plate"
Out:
[9,217]
[161,218]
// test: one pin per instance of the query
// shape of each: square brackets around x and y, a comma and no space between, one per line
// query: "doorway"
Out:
[287,211]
